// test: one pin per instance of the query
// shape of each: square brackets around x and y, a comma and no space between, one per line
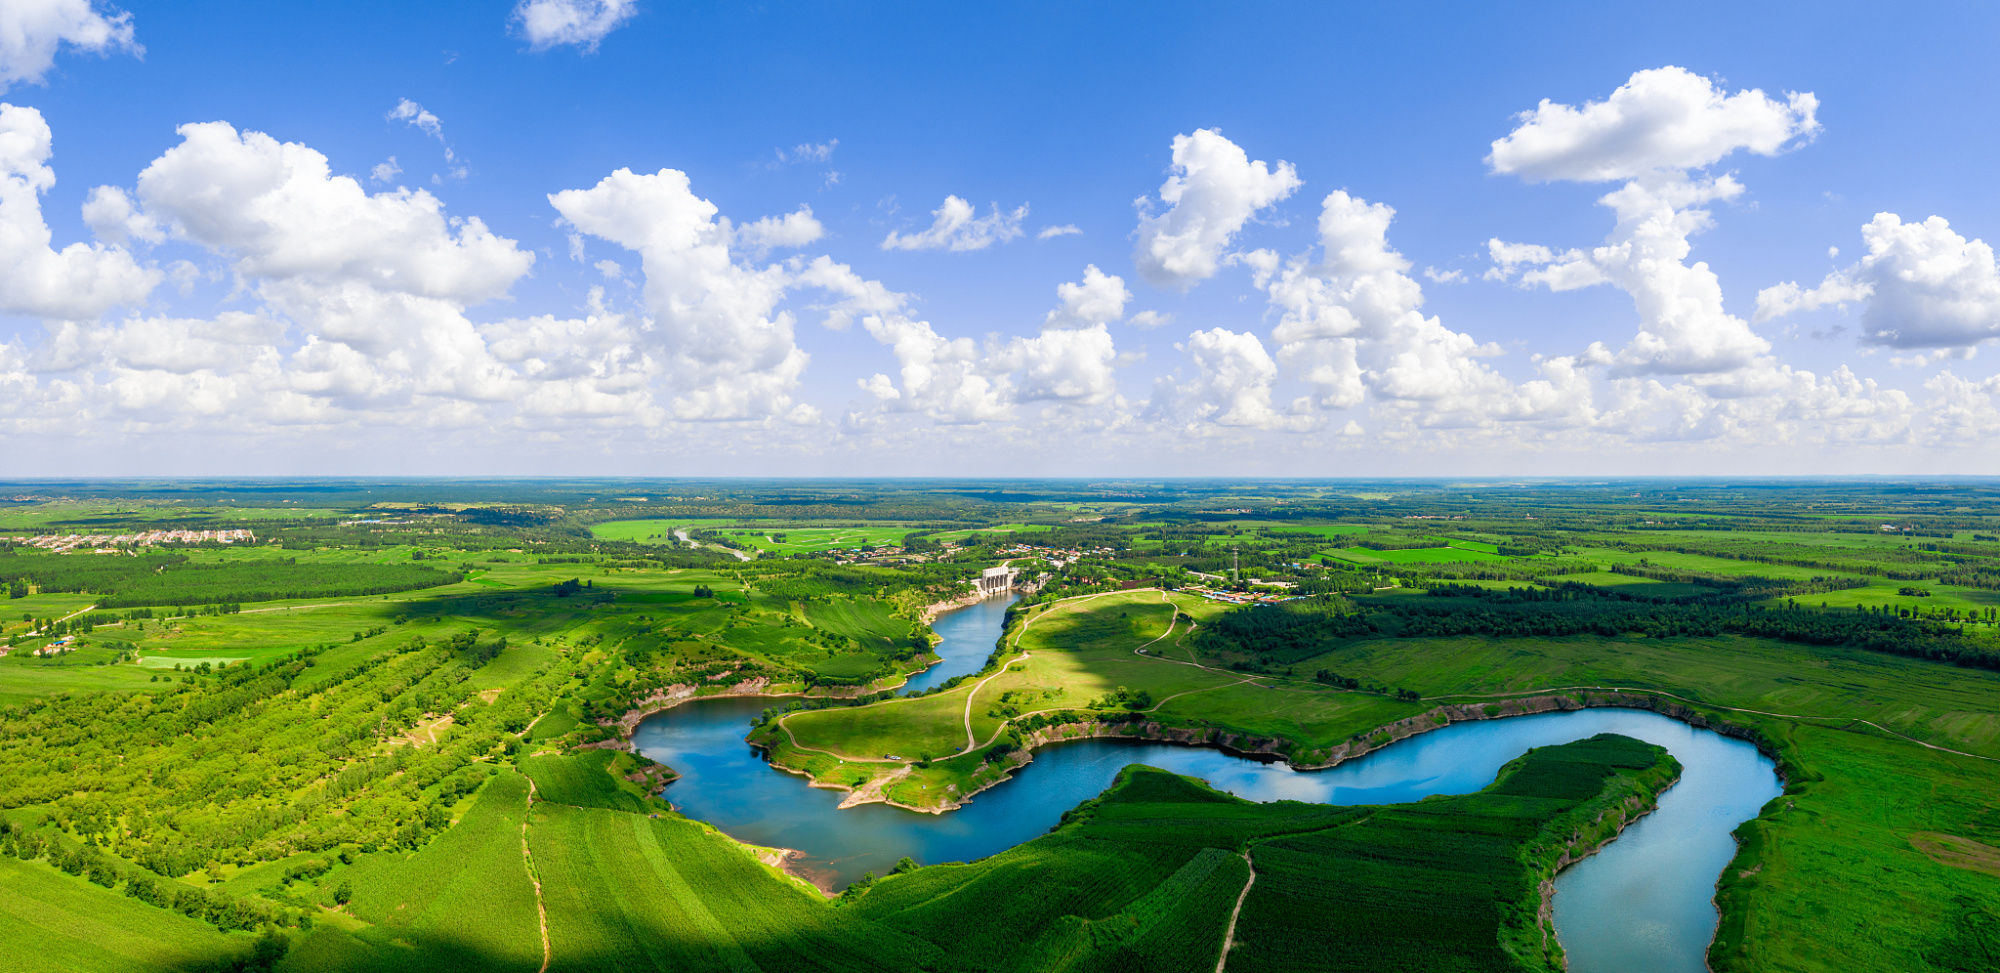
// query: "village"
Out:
[113,543]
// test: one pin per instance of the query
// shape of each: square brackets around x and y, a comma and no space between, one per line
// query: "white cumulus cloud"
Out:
[577,23]
[1924,286]
[1099,298]
[1653,132]
[280,212]
[80,281]
[31,31]
[1663,119]
[731,349]
[794,229]
[1213,188]
[1350,322]
[1231,385]
[418,116]
[957,225]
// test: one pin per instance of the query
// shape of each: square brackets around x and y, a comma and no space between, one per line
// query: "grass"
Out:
[1144,876]
[776,536]
[907,727]
[1790,900]
[867,621]
[996,534]
[465,901]
[1449,883]
[1648,587]
[646,531]
[58,923]
[1458,552]
[787,539]
[1857,796]
[1702,563]
[630,892]
[1938,704]
[588,779]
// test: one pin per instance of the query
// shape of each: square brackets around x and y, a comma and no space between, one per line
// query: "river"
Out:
[966,637]
[1643,905]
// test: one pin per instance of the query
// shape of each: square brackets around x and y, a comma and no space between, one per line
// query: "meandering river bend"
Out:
[1643,905]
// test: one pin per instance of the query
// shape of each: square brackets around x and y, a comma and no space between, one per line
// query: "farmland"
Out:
[776,537]
[386,735]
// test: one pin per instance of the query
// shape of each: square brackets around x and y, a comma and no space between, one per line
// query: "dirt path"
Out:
[874,790]
[528,858]
[1229,938]
[65,618]
[1732,709]
[782,725]
[291,608]
[972,742]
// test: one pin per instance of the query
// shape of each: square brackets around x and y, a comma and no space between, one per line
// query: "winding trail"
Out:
[528,858]
[1229,938]
[972,742]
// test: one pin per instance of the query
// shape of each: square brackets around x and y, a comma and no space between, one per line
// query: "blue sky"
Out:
[635,237]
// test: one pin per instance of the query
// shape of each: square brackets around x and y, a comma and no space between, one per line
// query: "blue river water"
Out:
[966,636]
[1643,905]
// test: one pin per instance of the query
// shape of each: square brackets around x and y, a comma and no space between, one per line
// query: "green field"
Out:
[74,925]
[798,540]
[417,778]
[777,537]
[1459,552]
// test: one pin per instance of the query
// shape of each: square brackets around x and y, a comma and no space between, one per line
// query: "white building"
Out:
[993,581]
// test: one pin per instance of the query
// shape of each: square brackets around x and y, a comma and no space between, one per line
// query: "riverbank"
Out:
[671,696]
[929,613]
[1586,841]
[1281,750]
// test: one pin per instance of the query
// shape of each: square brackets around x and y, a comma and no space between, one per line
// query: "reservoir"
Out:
[1642,904]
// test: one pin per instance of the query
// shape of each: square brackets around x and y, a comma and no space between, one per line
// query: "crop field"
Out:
[1644,587]
[796,540]
[1458,552]
[864,621]
[88,517]
[74,925]
[1702,563]
[1000,533]
[465,900]
[652,531]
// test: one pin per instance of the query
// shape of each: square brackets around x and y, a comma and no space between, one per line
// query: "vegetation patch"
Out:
[1958,852]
